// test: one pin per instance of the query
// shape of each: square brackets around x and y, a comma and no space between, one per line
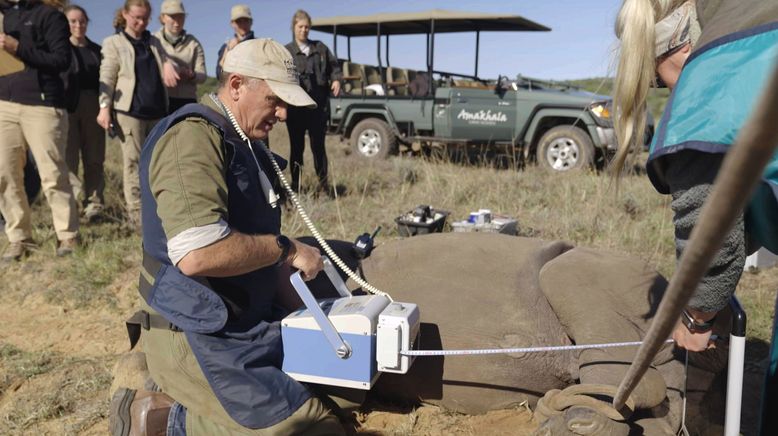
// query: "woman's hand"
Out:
[9,43]
[335,88]
[692,341]
[170,76]
[104,118]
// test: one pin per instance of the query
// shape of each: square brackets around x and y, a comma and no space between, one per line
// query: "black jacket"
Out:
[222,49]
[70,76]
[44,47]
[316,70]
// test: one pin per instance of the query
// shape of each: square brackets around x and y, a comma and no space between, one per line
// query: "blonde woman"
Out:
[319,75]
[184,50]
[129,107]
[715,56]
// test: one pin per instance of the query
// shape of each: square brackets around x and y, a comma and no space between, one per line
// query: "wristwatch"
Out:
[695,326]
[103,104]
[286,246]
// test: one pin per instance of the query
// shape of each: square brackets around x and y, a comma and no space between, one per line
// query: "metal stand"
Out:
[737,354]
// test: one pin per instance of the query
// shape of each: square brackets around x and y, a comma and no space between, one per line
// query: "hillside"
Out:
[604,85]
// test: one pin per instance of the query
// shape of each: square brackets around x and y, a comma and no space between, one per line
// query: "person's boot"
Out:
[93,212]
[139,413]
[66,247]
[17,250]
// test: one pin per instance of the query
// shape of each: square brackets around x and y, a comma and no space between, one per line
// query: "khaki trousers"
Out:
[44,130]
[131,133]
[175,369]
[86,143]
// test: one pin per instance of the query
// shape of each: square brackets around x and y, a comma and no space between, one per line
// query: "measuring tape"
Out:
[520,350]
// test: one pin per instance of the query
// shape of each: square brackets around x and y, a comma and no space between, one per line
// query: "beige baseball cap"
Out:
[172,7]
[240,11]
[270,61]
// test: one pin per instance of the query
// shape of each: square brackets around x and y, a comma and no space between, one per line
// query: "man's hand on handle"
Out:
[307,259]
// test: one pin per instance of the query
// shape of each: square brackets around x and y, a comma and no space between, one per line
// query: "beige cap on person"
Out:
[172,7]
[270,61]
[240,11]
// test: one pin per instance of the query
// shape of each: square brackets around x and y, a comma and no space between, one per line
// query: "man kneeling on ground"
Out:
[214,261]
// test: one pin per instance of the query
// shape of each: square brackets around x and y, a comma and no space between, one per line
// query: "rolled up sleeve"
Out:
[186,176]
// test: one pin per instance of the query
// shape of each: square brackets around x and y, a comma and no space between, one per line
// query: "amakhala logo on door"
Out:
[482,117]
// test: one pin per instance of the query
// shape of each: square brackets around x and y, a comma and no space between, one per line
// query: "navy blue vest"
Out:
[230,323]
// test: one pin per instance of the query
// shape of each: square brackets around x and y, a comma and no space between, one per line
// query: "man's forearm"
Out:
[236,254]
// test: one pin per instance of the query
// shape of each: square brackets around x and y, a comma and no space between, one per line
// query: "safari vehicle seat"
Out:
[418,83]
[397,81]
[373,77]
[353,78]
[467,83]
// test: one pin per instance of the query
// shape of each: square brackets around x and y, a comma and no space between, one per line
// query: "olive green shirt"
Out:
[187,175]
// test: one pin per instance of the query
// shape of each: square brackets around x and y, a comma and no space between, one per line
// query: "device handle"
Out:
[335,278]
[341,348]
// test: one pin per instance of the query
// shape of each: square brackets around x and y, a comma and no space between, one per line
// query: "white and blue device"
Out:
[347,341]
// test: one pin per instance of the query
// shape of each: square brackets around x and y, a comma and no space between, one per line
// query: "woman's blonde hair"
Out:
[299,16]
[119,23]
[636,71]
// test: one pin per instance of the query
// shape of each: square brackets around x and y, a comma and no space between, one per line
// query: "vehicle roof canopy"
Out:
[408,23]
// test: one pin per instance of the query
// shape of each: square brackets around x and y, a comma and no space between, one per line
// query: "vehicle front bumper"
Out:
[607,137]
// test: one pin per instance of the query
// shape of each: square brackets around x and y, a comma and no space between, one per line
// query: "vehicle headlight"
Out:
[601,111]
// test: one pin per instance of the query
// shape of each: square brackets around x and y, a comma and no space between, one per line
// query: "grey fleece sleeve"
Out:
[690,175]
[719,283]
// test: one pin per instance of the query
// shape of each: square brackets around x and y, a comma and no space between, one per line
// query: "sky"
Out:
[580,44]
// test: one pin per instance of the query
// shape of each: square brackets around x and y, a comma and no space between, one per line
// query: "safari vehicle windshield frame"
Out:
[421,23]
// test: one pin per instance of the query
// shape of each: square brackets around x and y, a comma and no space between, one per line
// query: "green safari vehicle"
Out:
[384,109]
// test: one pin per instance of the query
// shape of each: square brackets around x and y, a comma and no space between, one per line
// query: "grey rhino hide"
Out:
[480,290]
[474,291]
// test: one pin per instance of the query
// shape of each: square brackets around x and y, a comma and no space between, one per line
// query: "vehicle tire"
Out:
[565,148]
[373,139]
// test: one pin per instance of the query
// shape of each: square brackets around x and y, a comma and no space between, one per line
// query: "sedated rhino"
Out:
[481,290]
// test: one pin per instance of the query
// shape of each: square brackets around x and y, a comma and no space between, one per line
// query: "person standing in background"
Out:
[319,74]
[184,50]
[86,140]
[32,112]
[240,20]
[129,107]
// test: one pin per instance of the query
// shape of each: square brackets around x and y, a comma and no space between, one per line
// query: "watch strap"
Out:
[694,325]
[285,245]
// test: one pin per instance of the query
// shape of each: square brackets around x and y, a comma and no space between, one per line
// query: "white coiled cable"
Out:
[306,219]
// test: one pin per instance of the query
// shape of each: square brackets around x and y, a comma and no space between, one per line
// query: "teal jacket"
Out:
[717,90]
